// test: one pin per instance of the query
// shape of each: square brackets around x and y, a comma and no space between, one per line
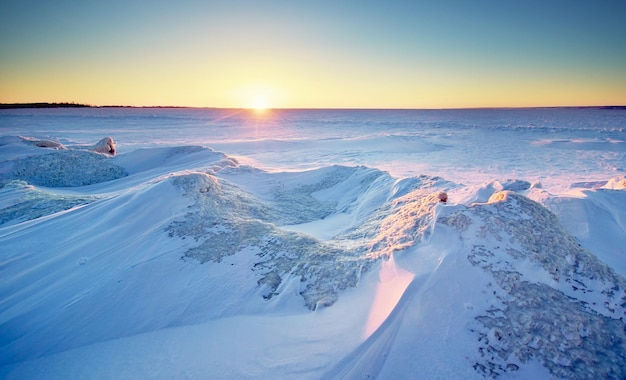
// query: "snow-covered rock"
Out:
[106,145]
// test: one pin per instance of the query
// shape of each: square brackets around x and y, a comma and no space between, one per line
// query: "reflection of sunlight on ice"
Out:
[393,282]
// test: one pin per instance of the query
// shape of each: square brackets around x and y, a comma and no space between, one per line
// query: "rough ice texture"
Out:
[552,299]
[66,168]
[224,220]
[33,203]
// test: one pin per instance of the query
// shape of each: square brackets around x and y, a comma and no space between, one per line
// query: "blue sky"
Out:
[418,54]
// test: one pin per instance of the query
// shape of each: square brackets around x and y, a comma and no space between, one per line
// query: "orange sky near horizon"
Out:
[322,55]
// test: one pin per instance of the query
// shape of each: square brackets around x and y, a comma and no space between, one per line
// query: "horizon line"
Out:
[32,105]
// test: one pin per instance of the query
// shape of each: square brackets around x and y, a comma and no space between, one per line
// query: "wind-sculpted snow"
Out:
[552,299]
[66,168]
[224,220]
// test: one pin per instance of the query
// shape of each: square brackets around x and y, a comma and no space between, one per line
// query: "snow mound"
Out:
[553,300]
[66,168]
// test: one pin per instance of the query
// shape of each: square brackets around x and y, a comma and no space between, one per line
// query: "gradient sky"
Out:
[340,54]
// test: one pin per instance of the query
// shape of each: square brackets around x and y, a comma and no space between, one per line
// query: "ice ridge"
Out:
[224,220]
[553,300]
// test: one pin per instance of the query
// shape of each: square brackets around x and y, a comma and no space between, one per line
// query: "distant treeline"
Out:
[78,105]
[42,105]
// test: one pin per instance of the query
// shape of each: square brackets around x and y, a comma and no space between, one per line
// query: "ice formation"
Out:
[224,220]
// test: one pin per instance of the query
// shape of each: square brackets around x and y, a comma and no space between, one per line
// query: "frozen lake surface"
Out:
[313,243]
[556,146]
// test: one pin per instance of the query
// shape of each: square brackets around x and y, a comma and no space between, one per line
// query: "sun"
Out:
[259,104]
[259,98]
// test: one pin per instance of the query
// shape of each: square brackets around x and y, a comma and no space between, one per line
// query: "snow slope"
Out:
[184,262]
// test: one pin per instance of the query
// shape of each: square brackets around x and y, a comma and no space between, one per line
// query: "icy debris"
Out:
[30,203]
[224,220]
[66,168]
[555,300]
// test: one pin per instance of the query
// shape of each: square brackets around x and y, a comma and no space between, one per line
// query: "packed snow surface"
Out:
[312,244]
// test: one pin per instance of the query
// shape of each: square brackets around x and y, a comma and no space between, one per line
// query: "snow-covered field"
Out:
[312,244]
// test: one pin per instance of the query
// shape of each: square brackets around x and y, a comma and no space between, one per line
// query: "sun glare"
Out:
[259,105]
[257,97]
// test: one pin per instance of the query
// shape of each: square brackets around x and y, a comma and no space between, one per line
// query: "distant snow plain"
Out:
[313,244]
